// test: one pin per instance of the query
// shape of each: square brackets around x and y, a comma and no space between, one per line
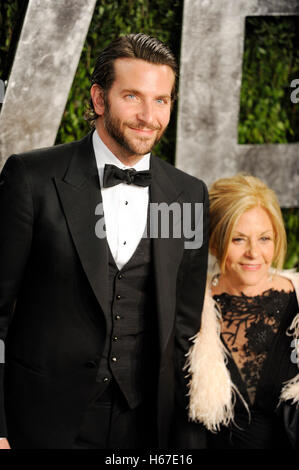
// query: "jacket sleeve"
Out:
[191,290]
[289,414]
[16,220]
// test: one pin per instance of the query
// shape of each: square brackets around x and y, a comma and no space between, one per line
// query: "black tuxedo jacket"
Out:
[54,292]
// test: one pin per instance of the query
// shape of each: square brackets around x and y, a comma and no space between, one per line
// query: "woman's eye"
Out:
[265,239]
[238,240]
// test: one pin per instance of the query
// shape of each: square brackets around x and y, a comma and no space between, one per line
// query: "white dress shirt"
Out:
[125,205]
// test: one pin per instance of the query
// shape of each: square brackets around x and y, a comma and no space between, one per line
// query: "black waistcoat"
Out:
[131,349]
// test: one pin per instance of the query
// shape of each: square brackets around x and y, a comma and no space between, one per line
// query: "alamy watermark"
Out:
[295,352]
[2,351]
[295,93]
[167,221]
[2,91]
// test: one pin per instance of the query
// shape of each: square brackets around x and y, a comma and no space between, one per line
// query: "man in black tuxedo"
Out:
[97,317]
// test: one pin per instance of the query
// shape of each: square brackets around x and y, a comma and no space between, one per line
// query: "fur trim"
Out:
[290,390]
[212,393]
[211,390]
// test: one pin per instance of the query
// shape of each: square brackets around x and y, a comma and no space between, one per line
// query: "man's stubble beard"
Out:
[112,126]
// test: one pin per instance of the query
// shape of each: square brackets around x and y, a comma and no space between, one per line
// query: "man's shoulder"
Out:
[55,155]
[180,176]
[43,164]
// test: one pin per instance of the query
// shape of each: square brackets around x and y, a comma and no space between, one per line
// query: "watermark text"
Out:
[295,352]
[295,93]
[2,91]
[167,221]
[2,351]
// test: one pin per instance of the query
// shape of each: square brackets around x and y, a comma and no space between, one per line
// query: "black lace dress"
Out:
[254,331]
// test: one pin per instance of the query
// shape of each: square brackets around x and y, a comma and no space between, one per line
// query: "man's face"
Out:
[137,108]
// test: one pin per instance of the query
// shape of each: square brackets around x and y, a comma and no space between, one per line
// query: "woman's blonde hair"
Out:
[229,199]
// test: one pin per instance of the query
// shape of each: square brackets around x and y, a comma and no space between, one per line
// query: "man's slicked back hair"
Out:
[131,46]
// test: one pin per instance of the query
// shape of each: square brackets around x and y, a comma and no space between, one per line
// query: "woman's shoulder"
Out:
[282,283]
[285,278]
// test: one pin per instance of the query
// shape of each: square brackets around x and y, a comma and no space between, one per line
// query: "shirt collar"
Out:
[105,156]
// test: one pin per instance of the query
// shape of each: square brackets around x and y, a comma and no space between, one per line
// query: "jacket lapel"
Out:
[167,253]
[80,194]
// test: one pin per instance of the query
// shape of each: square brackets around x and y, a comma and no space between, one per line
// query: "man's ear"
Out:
[97,96]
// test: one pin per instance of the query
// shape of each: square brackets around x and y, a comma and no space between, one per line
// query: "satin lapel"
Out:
[167,253]
[80,194]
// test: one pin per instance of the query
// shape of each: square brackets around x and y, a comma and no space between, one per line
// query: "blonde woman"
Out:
[243,364]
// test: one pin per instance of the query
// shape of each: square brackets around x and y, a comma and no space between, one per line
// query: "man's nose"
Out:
[146,113]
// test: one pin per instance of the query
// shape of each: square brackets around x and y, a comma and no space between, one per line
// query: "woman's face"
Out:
[251,249]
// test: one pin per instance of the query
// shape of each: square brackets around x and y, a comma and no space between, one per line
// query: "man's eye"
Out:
[131,96]
[162,100]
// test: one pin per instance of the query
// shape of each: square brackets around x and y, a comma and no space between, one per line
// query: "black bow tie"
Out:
[114,175]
